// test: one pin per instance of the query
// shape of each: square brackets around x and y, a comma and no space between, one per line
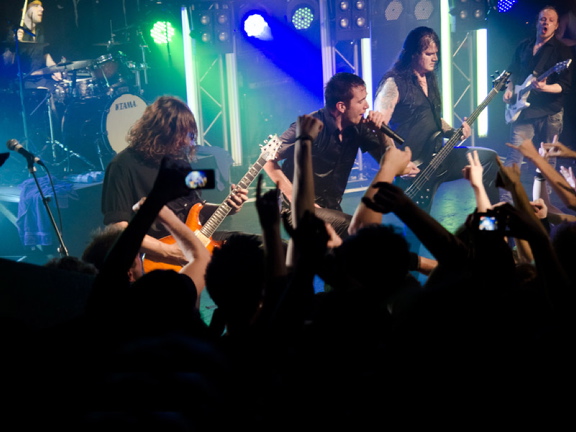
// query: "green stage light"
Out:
[162,32]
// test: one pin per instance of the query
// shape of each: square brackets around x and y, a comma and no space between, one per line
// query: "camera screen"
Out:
[487,223]
[200,179]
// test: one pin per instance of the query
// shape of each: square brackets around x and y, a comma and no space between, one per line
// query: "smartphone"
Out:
[200,179]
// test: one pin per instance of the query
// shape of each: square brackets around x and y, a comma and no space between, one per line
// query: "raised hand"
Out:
[268,205]
[508,176]
[473,171]
[557,149]
[308,127]
[388,198]
[568,175]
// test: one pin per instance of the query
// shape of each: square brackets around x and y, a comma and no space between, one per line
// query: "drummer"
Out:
[29,36]
[33,56]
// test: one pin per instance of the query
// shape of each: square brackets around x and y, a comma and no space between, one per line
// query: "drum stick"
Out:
[23,13]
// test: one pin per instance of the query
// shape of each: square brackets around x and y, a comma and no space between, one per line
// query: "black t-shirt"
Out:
[332,160]
[129,177]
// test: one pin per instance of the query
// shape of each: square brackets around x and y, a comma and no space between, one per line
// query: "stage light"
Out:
[162,32]
[505,5]
[469,14]
[351,20]
[213,27]
[423,10]
[302,15]
[255,25]
[393,10]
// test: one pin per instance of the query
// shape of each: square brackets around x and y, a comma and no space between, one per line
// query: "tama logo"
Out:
[125,105]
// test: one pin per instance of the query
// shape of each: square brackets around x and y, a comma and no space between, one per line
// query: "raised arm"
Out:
[393,163]
[473,173]
[557,182]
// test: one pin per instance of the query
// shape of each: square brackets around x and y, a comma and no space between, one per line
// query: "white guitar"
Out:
[522,91]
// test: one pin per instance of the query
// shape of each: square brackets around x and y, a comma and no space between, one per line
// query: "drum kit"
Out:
[96,103]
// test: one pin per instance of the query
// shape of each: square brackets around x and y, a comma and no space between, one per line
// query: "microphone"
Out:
[17,147]
[386,130]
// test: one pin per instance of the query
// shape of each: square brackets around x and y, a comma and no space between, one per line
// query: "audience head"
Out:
[71,263]
[237,301]
[379,269]
[102,241]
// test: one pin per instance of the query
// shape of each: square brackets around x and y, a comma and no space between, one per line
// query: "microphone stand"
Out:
[21,84]
[32,169]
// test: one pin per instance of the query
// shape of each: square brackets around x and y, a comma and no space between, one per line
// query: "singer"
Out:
[348,127]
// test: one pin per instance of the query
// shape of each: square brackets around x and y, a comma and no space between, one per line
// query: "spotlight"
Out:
[469,14]
[350,20]
[302,14]
[255,25]
[393,10]
[423,10]
[504,5]
[162,32]
[302,18]
[213,28]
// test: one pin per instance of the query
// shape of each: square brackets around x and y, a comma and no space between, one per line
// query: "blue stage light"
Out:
[255,25]
[505,5]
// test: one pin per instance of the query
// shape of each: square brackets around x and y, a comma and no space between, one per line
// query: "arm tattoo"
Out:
[388,96]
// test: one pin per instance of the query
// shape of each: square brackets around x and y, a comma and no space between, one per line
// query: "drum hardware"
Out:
[97,127]
[70,154]
[61,67]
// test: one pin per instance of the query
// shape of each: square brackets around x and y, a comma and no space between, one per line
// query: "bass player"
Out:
[409,97]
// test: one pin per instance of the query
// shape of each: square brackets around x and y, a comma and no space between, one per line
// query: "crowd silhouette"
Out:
[487,337]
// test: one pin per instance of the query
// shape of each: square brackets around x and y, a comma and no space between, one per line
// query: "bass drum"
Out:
[94,130]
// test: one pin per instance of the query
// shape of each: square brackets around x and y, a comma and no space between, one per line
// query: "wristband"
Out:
[304,137]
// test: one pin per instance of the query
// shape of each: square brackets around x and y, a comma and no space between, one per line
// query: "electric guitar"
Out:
[421,188]
[522,91]
[205,232]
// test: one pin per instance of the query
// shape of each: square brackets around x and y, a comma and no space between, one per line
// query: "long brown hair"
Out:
[166,127]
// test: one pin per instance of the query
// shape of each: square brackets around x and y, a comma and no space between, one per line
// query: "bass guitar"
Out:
[422,187]
[522,91]
[205,232]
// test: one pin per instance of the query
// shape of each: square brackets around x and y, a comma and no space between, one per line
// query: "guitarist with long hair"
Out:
[409,97]
[539,82]
[167,127]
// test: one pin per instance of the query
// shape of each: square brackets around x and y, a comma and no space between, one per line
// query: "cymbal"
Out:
[24,44]
[62,67]
[108,44]
[124,28]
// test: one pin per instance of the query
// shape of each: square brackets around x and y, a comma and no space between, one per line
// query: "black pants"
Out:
[339,220]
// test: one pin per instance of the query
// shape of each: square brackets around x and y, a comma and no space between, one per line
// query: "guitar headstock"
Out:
[270,147]
[560,66]
[501,81]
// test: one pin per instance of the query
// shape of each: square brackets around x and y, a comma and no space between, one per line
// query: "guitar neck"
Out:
[455,139]
[224,209]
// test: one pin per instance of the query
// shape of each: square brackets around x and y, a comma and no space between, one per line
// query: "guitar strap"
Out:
[539,68]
